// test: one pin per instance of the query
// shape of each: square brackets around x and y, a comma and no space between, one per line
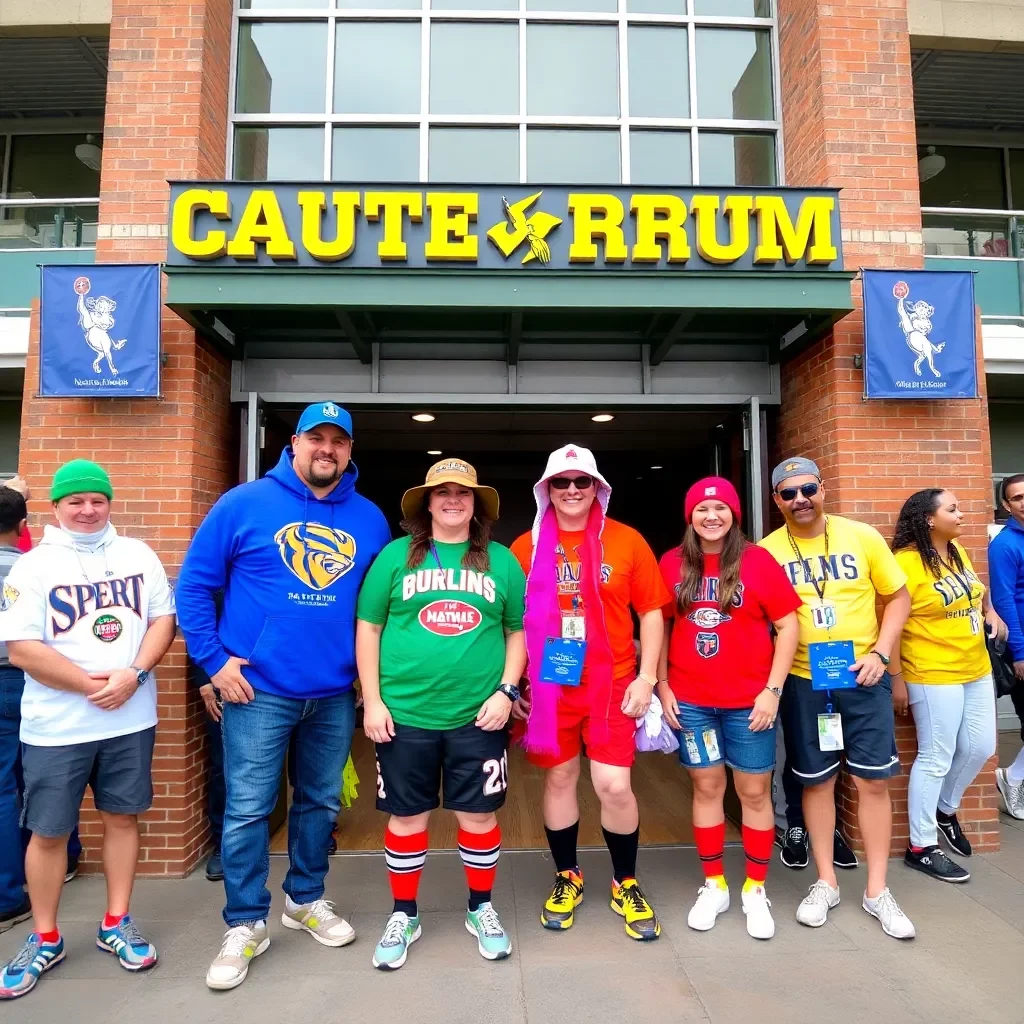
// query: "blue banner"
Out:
[99,330]
[919,334]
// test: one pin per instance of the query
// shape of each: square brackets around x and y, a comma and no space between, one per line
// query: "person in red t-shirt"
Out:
[20,484]
[719,681]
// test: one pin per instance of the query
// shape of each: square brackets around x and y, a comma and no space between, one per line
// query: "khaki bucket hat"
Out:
[451,471]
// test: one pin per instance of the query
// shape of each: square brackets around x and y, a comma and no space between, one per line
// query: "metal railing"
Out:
[973,233]
[48,223]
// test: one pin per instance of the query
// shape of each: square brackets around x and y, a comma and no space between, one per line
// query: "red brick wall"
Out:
[848,120]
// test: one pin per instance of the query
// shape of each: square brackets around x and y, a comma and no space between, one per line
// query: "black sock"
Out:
[943,816]
[562,842]
[478,896]
[407,907]
[623,848]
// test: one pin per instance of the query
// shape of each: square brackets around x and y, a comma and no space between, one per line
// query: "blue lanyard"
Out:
[433,551]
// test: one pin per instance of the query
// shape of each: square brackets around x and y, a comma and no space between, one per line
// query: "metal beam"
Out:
[363,349]
[515,334]
[92,57]
[659,351]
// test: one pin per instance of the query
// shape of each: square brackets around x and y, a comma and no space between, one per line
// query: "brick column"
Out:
[169,458]
[848,116]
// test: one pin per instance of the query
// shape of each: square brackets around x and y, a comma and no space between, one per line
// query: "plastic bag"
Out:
[653,732]
[349,783]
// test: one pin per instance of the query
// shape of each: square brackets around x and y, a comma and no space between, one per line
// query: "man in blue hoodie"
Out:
[1006,572]
[289,553]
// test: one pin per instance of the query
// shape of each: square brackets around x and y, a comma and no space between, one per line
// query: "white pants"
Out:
[956,735]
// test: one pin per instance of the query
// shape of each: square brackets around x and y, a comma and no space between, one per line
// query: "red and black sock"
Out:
[710,842]
[479,852]
[405,857]
[757,849]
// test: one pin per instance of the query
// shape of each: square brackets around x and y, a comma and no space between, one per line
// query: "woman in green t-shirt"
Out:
[440,649]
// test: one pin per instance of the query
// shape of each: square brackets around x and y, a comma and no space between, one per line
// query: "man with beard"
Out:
[288,554]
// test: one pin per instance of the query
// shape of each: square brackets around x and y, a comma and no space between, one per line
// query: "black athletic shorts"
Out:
[471,764]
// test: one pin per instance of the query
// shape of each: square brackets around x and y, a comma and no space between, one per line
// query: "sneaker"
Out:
[319,919]
[894,922]
[400,933]
[950,830]
[72,869]
[491,939]
[20,974]
[125,941]
[932,861]
[712,900]
[794,853]
[241,944]
[814,907]
[215,867]
[1012,796]
[629,901]
[332,846]
[842,855]
[22,912]
[757,907]
[566,896]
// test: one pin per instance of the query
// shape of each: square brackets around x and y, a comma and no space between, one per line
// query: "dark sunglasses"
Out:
[561,483]
[807,490]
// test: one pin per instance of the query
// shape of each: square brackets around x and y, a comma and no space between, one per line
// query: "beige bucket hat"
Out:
[451,471]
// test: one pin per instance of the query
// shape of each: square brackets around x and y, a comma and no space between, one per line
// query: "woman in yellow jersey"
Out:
[941,668]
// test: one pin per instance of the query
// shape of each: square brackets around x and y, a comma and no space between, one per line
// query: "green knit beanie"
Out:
[80,476]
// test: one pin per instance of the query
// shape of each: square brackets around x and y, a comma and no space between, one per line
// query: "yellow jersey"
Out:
[944,638]
[845,577]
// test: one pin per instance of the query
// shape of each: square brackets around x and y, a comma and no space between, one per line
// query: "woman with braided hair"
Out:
[941,669]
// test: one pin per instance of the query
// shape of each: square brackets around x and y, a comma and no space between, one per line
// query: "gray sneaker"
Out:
[319,919]
[241,944]
[1012,796]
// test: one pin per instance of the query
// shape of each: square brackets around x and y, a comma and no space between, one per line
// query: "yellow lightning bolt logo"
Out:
[520,228]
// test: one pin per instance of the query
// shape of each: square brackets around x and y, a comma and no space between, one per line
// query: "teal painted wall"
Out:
[19,272]
[996,283]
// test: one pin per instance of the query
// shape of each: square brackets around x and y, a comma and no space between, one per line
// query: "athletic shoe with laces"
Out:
[953,834]
[125,941]
[21,973]
[566,896]
[842,855]
[319,919]
[239,947]
[1012,796]
[757,907]
[814,907]
[491,938]
[400,933]
[712,900]
[22,912]
[894,922]
[629,901]
[794,852]
[932,861]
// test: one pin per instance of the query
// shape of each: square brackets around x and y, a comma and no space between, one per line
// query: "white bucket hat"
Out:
[568,459]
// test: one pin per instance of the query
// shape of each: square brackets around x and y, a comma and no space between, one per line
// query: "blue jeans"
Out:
[711,736]
[215,782]
[256,738]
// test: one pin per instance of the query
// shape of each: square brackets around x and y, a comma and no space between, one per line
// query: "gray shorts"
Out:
[119,771]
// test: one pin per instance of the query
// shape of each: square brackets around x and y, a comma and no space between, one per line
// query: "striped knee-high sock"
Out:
[710,842]
[405,857]
[757,848]
[479,852]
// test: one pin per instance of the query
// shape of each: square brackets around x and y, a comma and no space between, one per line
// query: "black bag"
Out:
[1002,666]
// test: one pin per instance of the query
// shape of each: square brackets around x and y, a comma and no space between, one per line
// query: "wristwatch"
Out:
[882,657]
[510,691]
[141,675]
[777,690]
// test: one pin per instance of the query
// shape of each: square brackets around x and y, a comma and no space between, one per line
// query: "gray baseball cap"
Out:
[798,466]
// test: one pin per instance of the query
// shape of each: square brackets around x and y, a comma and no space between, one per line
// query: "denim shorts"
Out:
[711,736]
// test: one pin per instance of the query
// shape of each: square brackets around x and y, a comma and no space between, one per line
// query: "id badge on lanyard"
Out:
[574,623]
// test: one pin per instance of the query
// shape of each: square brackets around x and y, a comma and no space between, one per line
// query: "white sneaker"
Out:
[1012,796]
[887,910]
[319,919]
[814,907]
[757,907]
[711,901]
[241,945]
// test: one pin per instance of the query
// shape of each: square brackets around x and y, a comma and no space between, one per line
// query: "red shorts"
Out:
[576,728]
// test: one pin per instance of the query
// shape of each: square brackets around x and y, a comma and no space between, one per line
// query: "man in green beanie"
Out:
[86,615]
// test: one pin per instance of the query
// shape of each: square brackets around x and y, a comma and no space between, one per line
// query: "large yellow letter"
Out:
[737,209]
[262,222]
[597,215]
[778,239]
[313,205]
[390,206]
[658,219]
[450,215]
[183,218]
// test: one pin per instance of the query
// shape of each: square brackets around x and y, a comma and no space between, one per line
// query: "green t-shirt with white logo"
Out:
[442,649]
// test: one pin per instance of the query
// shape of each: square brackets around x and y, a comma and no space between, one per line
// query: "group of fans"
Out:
[292,590]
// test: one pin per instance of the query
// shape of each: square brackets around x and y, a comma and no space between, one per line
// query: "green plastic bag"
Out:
[349,783]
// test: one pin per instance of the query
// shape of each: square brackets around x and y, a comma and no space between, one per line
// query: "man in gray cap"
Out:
[837,704]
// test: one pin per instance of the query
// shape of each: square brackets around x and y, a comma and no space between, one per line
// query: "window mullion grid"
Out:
[622,49]
[332,42]
[691,66]
[424,136]
[523,139]
[229,148]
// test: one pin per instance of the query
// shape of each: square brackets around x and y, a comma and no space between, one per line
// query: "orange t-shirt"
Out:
[630,577]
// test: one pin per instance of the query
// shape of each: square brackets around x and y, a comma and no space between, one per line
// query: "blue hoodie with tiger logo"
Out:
[289,566]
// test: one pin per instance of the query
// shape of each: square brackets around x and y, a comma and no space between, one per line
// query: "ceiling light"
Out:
[603,417]
[423,417]
[931,164]
[433,451]
[657,467]
[89,153]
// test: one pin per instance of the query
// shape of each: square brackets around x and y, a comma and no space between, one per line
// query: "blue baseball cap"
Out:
[324,412]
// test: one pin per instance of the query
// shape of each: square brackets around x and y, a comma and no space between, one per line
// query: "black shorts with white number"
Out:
[471,764]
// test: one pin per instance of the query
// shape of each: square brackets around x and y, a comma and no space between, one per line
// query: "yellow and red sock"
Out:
[710,847]
[757,848]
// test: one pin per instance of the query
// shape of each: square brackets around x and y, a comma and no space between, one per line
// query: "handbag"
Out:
[1002,666]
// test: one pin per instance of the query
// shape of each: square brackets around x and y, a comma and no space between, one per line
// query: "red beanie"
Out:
[712,487]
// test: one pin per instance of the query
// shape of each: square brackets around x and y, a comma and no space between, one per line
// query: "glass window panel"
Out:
[44,166]
[966,236]
[572,156]
[377,68]
[280,5]
[474,68]
[734,8]
[599,6]
[969,176]
[659,158]
[282,67]
[1017,178]
[376,154]
[659,77]
[734,74]
[474,155]
[279,154]
[381,5]
[656,6]
[744,159]
[474,5]
[572,70]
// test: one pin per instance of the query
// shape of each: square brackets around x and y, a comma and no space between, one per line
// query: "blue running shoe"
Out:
[20,975]
[125,941]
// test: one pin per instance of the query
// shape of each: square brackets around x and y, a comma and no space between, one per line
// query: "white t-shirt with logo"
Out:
[94,607]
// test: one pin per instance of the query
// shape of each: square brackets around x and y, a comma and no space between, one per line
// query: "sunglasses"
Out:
[561,483]
[807,490]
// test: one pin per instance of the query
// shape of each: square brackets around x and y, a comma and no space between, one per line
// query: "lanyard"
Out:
[964,582]
[437,558]
[577,598]
[819,588]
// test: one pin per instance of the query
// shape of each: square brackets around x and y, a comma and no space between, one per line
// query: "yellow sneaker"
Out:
[629,901]
[566,896]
